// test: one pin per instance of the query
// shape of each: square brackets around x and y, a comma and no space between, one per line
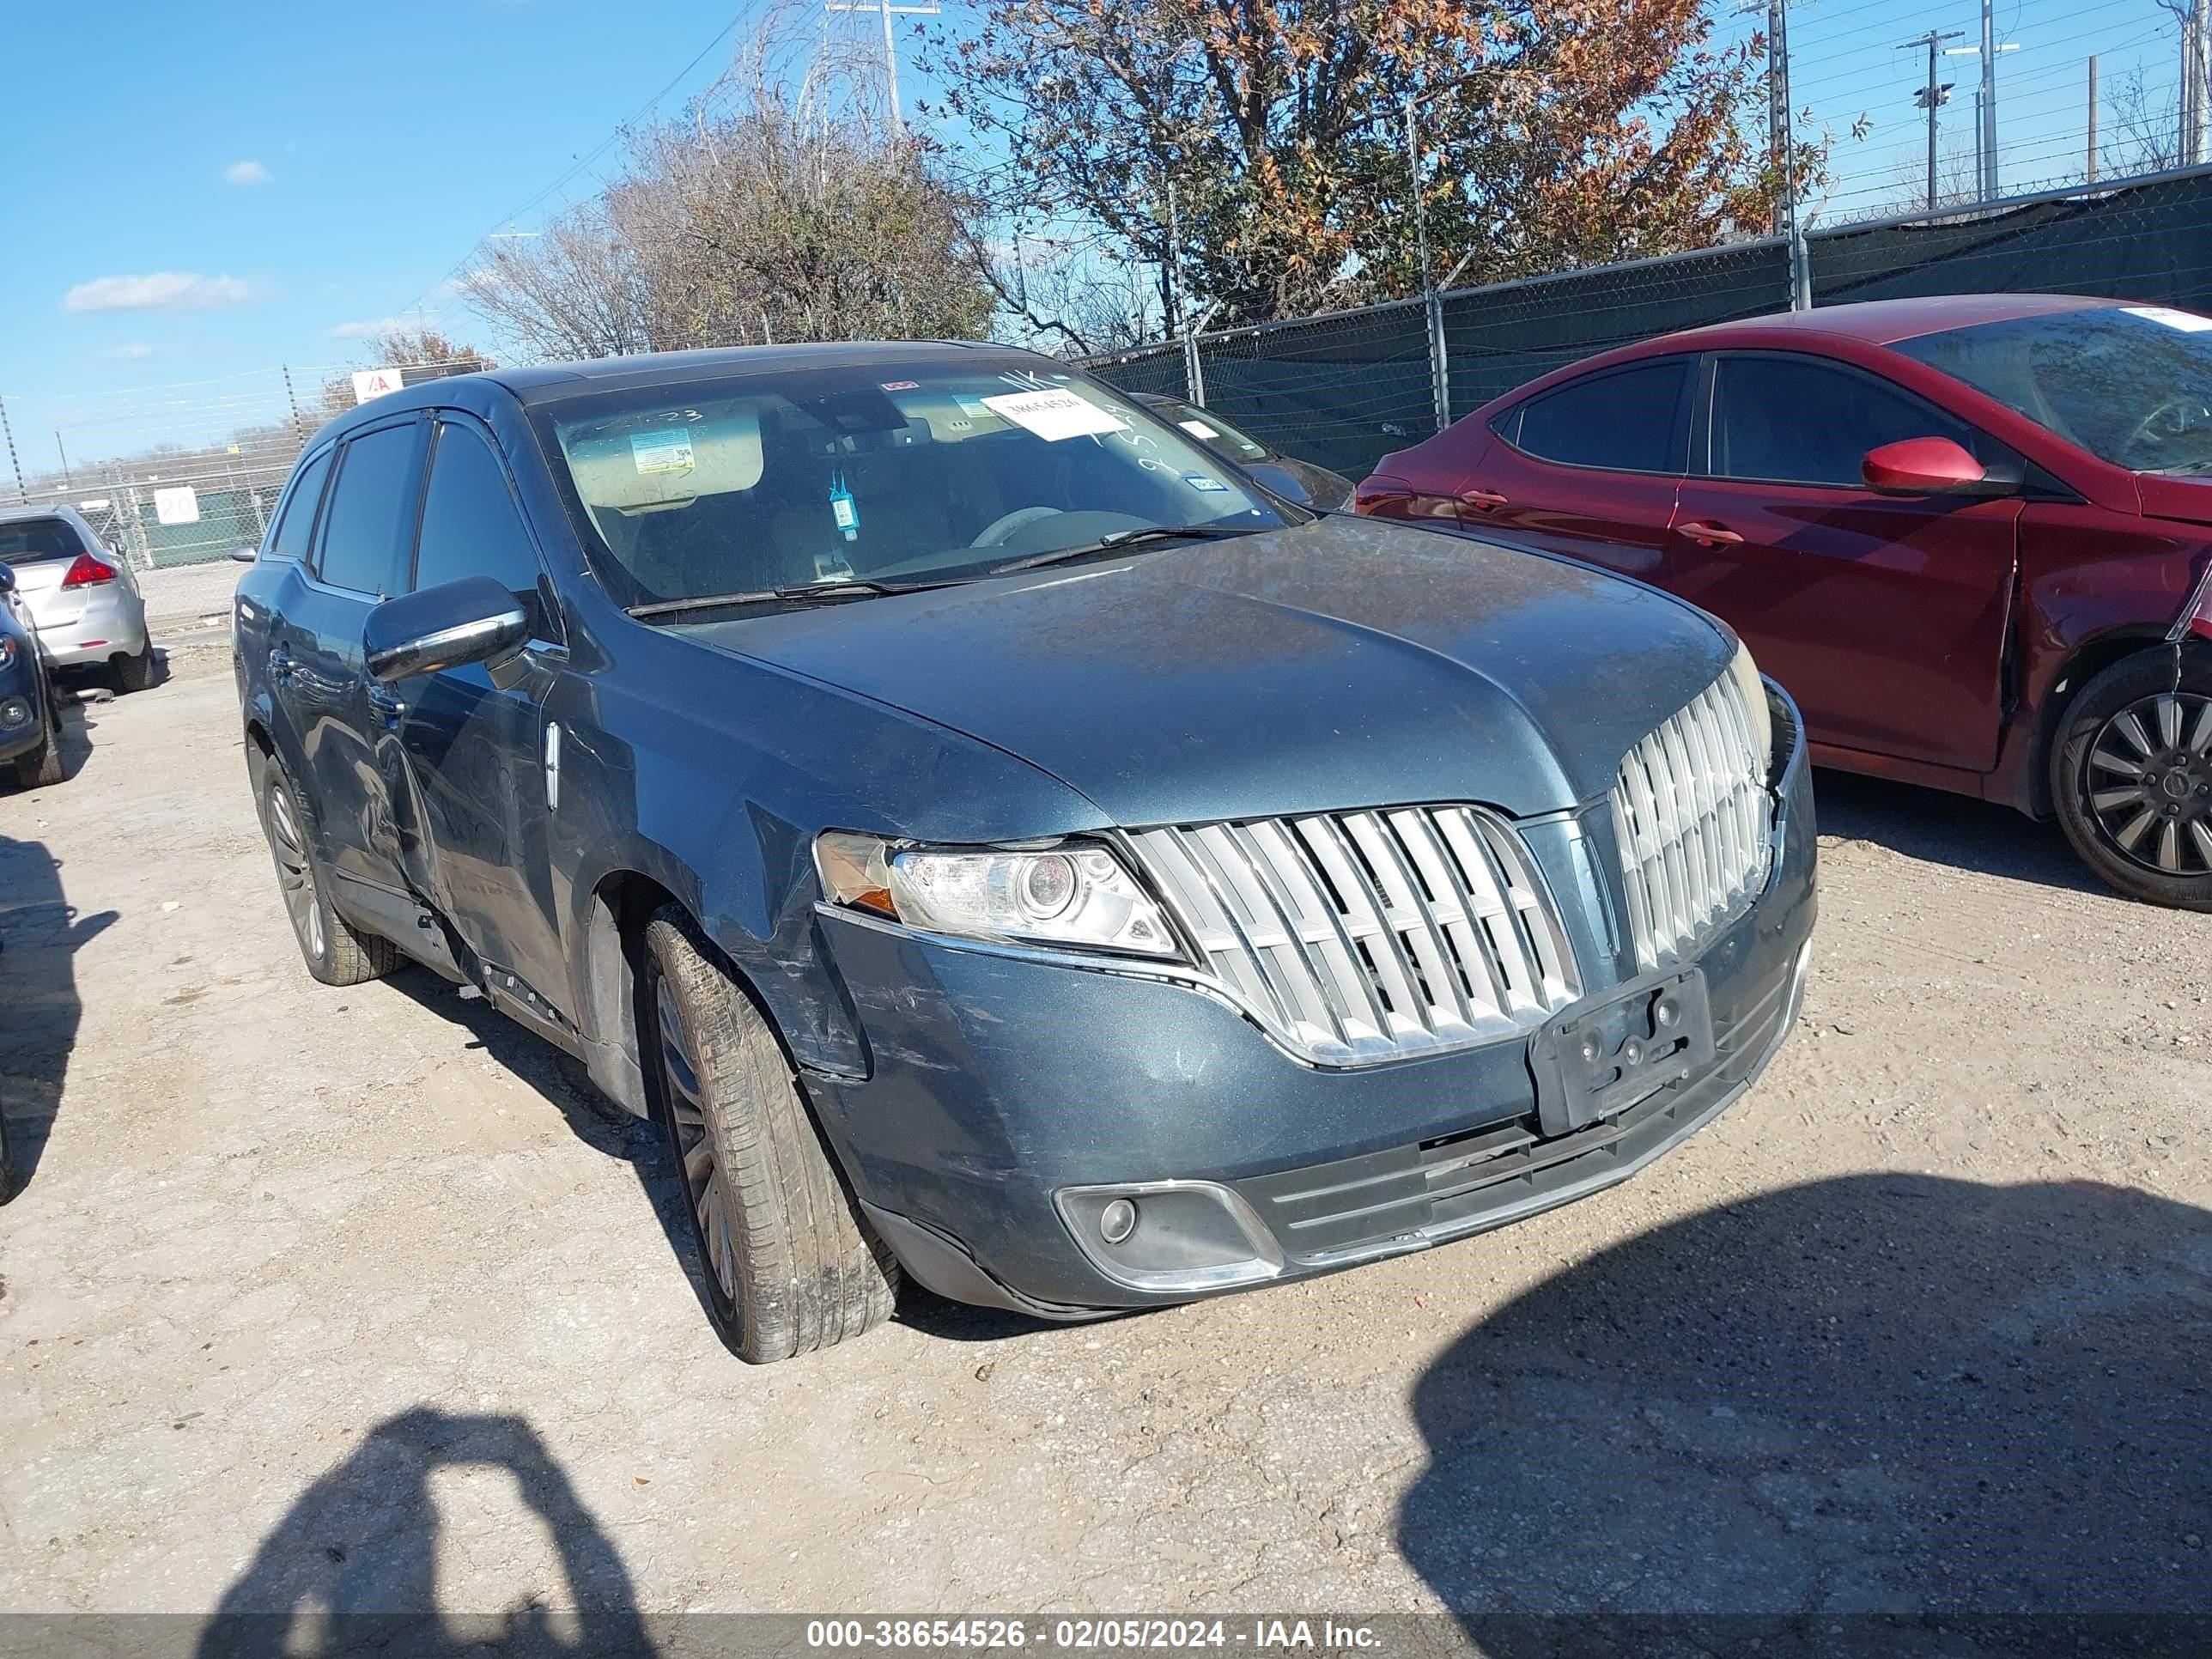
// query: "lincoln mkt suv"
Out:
[1002,843]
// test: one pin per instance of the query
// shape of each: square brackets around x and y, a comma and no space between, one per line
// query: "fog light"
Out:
[1198,1236]
[14,712]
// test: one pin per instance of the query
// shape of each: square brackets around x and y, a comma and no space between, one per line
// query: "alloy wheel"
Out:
[704,1185]
[296,871]
[2148,783]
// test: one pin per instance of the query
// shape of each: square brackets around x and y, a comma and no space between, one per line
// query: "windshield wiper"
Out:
[1190,532]
[797,593]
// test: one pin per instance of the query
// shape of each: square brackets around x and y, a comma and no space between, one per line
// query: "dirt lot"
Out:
[361,1299]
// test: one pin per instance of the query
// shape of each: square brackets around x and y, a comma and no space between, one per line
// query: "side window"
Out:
[297,522]
[1628,420]
[1782,421]
[471,525]
[371,520]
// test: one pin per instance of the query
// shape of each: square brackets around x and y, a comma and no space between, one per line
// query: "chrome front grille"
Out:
[1690,808]
[1361,936]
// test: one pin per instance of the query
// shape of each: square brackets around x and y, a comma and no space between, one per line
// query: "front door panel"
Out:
[1885,617]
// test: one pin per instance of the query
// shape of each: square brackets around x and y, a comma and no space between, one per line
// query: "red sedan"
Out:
[1972,535]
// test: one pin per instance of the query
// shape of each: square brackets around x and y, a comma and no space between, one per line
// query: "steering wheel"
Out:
[2182,415]
[994,533]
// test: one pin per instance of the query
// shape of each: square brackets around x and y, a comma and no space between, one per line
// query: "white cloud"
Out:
[162,291]
[246,173]
[131,352]
[370,329]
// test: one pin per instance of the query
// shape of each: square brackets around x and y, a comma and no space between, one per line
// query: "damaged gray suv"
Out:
[1002,843]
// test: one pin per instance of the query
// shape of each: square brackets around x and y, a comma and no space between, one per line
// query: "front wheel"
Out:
[790,1265]
[2131,775]
[42,767]
[336,952]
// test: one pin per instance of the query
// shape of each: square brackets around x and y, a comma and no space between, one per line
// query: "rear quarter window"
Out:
[1622,420]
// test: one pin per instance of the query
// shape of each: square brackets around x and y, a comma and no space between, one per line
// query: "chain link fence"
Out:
[1345,388]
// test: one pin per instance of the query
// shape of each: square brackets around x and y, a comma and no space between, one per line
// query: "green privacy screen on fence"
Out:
[1346,388]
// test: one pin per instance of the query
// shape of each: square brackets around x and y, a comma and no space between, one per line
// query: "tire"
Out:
[136,673]
[790,1265]
[335,951]
[2131,776]
[42,768]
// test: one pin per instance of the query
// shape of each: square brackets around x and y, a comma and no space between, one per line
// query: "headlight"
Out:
[1746,674]
[7,651]
[1073,895]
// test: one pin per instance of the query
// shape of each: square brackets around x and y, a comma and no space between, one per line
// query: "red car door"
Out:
[1885,616]
[1589,469]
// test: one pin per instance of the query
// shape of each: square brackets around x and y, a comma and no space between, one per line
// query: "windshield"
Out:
[2132,385]
[884,473]
[1212,430]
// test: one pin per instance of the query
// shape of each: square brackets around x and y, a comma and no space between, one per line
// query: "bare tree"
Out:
[779,209]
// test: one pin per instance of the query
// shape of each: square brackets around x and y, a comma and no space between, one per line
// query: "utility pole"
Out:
[891,44]
[1782,152]
[2090,171]
[1932,97]
[68,482]
[14,465]
[1171,296]
[2194,30]
[1988,101]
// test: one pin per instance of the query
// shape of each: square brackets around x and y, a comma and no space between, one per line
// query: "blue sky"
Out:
[198,194]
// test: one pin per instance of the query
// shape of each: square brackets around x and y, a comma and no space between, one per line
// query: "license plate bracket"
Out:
[1609,1058]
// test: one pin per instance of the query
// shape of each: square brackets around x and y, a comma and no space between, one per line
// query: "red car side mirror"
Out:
[1920,466]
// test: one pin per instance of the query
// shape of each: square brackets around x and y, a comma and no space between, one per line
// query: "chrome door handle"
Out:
[1487,500]
[1710,535]
[391,707]
[281,665]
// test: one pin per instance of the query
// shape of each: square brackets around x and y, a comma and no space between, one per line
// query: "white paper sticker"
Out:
[1199,481]
[668,450]
[2187,321]
[1055,415]
[1198,428]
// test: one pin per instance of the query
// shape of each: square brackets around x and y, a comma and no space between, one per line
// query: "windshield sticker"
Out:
[1199,481]
[1198,428]
[2187,321]
[668,450]
[901,385]
[1055,415]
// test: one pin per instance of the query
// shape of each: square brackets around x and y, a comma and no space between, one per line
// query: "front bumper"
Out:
[19,690]
[997,1083]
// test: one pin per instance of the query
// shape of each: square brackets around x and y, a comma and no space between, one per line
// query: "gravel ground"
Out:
[362,1300]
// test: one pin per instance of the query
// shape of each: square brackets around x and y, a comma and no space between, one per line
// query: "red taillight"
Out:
[88,572]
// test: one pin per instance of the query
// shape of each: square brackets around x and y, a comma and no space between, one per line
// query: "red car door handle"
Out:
[1485,499]
[1710,535]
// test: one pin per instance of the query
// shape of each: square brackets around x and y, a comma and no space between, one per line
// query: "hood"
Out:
[2189,499]
[1344,663]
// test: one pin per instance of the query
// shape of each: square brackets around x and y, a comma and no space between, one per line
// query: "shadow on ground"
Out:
[1942,827]
[1889,1394]
[353,1566]
[40,933]
[607,1128]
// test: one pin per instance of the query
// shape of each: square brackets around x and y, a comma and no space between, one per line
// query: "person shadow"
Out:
[1854,1416]
[351,1567]
[40,933]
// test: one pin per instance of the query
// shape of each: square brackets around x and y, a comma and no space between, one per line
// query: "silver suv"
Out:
[82,594]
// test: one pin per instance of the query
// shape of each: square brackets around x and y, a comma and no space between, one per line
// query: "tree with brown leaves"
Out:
[1552,134]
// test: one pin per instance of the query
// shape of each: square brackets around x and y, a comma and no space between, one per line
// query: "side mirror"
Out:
[1280,480]
[1920,466]
[472,620]
[245,555]
[7,579]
